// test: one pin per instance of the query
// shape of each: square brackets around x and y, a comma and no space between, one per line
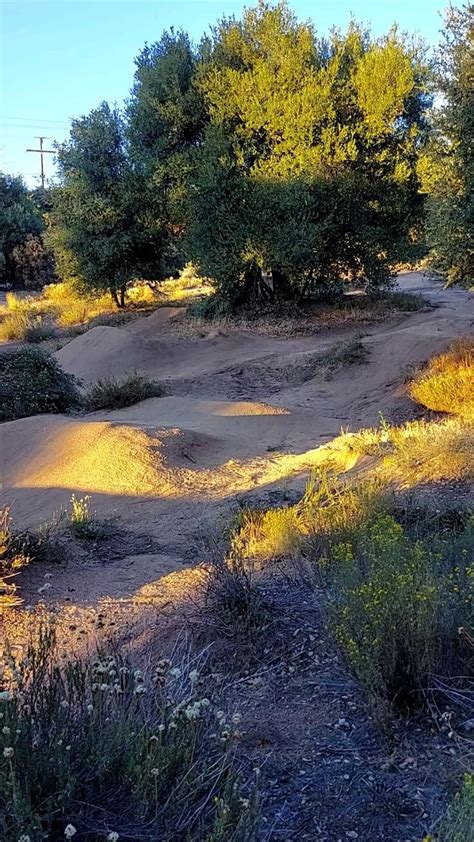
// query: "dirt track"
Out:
[238,419]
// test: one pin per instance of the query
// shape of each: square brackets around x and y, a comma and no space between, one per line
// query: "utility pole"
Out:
[42,152]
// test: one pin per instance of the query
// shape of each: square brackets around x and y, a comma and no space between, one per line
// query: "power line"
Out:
[64,122]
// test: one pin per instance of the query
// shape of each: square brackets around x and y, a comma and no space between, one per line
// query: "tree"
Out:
[448,167]
[20,221]
[165,118]
[306,175]
[100,224]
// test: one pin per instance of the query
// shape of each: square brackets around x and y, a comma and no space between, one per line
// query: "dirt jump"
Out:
[241,415]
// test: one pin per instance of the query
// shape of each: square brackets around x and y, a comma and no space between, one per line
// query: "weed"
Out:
[32,382]
[234,602]
[83,521]
[115,394]
[97,747]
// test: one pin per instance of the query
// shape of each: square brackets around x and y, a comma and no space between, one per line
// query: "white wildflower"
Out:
[5,730]
[8,752]
[175,672]
[69,831]
[154,772]
[193,676]
[112,836]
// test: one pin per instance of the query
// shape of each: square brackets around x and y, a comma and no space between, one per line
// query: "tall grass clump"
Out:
[447,383]
[117,393]
[398,604]
[32,382]
[96,746]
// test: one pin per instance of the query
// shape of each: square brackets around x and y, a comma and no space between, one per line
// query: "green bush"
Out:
[398,604]
[33,382]
[99,747]
[115,394]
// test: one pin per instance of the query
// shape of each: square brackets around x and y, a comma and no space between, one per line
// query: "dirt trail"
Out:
[238,418]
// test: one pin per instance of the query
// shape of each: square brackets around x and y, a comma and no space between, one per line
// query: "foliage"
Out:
[447,383]
[98,746]
[12,557]
[448,168]
[398,604]
[235,603]
[114,394]
[32,382]
[22,257]
[100,212]
[305,178]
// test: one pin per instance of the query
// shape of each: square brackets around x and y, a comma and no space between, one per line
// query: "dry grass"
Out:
[447,384]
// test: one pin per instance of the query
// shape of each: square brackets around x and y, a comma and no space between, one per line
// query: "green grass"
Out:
[458,823]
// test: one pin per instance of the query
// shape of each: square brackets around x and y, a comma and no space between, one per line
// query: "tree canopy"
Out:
[280,163]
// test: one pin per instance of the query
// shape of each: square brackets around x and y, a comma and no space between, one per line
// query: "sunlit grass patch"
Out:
[447,383]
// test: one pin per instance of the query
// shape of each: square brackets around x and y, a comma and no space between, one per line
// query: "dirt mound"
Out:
[150,326]
[47,458]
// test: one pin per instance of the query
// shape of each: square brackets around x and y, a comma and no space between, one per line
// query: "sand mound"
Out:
[105,352]
[150,326]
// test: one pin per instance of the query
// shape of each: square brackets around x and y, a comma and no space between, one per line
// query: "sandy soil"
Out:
[238,419]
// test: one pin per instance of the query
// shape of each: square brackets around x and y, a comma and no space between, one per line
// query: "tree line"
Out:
[282,164]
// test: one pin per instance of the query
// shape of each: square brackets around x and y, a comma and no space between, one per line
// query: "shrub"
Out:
[99,746]
[235,604]
[398,604]
[114,394]
[32,382]
[447,383]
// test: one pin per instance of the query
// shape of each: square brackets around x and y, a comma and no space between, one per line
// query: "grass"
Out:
[447,383]
[116,393]
[97,747]
[32,382]
[458,823]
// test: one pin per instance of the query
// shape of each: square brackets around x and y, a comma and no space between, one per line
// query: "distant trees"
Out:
[448,168]
[281,164]
[23,258]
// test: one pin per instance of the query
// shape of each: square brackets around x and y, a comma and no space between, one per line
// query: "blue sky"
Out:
[59,58]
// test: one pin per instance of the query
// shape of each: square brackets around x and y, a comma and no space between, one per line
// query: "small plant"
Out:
[83,522]
[32,382]
[115,394]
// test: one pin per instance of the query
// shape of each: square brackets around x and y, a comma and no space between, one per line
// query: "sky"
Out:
[60,58]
